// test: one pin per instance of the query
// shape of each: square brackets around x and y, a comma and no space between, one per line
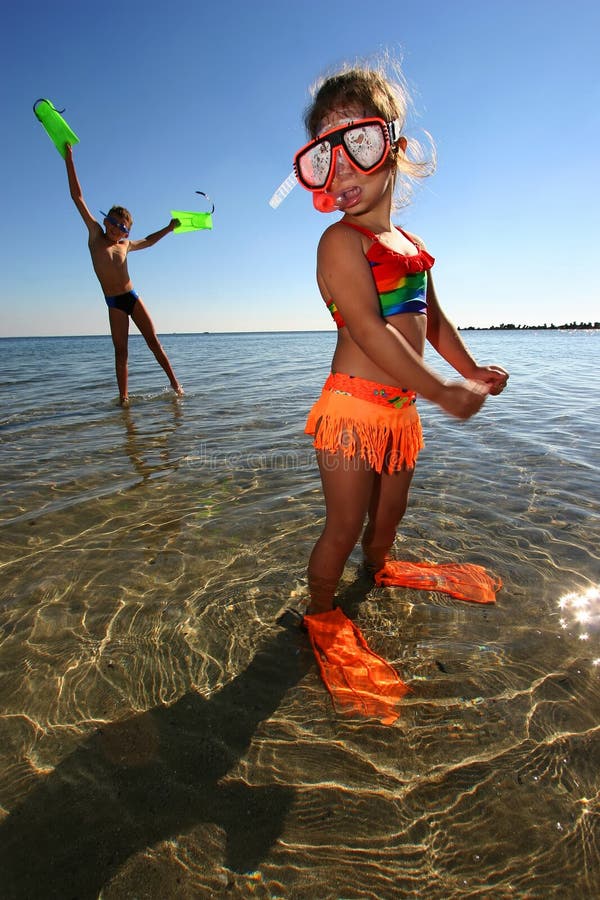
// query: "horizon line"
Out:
[574,326]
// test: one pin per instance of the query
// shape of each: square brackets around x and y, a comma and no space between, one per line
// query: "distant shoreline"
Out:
[573,326]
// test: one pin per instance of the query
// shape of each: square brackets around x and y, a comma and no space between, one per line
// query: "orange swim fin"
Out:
[358,680]
[465,581]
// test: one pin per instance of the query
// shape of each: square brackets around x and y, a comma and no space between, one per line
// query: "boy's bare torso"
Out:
[109,260]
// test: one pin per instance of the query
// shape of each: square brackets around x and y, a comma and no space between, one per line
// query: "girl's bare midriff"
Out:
[350,359]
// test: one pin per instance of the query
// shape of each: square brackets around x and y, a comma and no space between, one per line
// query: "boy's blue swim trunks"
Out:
[124,302]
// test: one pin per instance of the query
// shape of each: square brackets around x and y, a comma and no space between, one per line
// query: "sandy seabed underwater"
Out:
[164,734]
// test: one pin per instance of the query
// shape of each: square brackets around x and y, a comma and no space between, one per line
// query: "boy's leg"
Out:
[119,329]
[141,317]
[347,486]
[386,509]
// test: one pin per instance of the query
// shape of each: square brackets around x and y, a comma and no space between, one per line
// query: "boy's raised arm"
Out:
[76,192]
[154,237]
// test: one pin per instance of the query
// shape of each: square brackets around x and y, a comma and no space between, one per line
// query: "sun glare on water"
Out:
[581,610]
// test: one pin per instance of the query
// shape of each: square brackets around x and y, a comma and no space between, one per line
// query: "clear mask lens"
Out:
[365,145]
[316,163]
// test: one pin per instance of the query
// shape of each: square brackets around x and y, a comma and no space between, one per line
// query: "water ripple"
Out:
[158,727]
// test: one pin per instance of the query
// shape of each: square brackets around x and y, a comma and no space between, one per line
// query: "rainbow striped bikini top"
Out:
[401,281]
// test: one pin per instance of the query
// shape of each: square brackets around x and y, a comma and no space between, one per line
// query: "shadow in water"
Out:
[145,779]
[154,776]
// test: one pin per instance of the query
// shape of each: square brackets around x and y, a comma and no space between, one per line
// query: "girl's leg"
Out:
[347,486]
[119,329]
[141,317]
[386,509]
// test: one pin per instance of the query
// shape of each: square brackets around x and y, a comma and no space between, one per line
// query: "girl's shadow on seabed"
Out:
[145,779]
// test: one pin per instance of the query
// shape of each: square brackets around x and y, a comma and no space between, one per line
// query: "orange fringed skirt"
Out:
[377,422]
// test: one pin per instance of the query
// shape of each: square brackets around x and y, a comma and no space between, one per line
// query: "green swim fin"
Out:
[59,132]
[191,221]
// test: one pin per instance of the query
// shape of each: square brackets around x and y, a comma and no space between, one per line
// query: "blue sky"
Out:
[201,96]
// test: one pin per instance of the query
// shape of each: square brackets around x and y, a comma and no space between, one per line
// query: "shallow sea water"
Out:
[162,736]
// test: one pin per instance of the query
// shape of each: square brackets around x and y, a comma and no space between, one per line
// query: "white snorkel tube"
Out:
[323,201]
[283,190]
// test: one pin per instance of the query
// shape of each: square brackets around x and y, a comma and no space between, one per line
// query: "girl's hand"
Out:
[495,377]
[463,398]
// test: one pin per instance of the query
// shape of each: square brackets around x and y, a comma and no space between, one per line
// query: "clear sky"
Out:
[168,99]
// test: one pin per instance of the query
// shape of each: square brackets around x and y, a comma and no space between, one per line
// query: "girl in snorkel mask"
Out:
[376,281]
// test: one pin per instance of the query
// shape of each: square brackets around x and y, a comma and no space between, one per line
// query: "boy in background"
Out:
[109,250]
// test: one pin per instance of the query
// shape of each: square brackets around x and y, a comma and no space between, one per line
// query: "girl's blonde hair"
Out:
[375,93]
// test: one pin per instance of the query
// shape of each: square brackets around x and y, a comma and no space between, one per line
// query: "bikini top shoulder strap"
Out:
[416,242]
[362,230]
